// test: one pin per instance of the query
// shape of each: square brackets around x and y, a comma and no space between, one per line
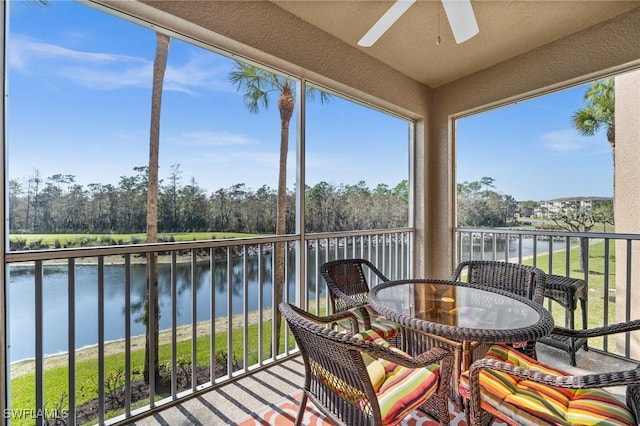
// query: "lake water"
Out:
[55,299]
[55,294]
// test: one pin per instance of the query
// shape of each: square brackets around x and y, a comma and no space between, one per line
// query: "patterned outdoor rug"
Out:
[283,413]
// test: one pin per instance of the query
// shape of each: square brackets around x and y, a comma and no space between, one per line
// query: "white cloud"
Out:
[568,140]
[211,138]
[24,51]
[197,73]
[107,71]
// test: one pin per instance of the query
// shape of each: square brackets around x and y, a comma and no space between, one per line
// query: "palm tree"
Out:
[599,111]
[258,85]
[159,68]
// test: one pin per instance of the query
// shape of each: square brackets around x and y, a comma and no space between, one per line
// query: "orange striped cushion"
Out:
[381,325]
[403,389]
[523,402]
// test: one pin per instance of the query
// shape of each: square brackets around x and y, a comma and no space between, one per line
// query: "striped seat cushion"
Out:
[519,401]
[403,389]
[382,326]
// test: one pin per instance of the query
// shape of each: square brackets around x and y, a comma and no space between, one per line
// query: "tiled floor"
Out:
[234,402]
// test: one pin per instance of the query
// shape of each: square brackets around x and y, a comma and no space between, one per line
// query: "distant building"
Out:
[556,205]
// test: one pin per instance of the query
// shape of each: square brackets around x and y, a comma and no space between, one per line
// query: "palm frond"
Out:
[312,92]
[586,122]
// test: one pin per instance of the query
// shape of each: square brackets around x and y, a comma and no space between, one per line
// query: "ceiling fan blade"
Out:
[385,21]
[461,19]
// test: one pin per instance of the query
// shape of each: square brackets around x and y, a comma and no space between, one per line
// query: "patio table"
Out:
[458,316]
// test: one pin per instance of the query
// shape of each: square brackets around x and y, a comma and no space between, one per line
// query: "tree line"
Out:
[58,204]
[480,205]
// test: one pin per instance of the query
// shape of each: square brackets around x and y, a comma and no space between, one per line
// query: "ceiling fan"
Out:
[459,13]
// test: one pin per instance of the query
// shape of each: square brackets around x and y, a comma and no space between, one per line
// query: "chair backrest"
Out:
[516,278]
[347,277]
[335,373]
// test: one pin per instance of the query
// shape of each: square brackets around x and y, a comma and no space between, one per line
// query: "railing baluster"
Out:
[230,309]
[245,308]
[550,251]
[127,335]
[605,296]
[260,279]
[194,320]
[285,293]
[353,247]
[71,335]
[101,371]
[567,256]
[212,312]
[39,313]
[174,325]
[151,319]
[318,277]
[627,316]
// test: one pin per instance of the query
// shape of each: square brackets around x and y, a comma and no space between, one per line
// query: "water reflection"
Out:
[258,287]
[55,299]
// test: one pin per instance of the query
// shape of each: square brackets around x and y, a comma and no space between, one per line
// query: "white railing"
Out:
[83,308]
[607,267]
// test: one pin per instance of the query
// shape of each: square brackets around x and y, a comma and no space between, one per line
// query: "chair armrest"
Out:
[432,356]
[330,319]
[598,331]
[587,381]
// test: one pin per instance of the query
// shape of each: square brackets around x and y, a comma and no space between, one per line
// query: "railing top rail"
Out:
[357,233]
[603,235]
[68,253]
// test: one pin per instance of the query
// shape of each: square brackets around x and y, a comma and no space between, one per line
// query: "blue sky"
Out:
[79,96]
[532,150]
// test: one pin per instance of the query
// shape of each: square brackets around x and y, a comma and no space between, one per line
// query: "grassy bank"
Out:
[40,241]
[56,379]
[596,281]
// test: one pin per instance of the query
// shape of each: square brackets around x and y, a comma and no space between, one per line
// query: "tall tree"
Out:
[152,314]
[258,85]
[599,112]
[575,217]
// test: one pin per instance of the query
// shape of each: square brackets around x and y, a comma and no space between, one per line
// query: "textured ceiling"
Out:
[507,29]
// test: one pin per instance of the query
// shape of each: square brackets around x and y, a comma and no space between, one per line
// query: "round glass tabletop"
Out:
[461,310]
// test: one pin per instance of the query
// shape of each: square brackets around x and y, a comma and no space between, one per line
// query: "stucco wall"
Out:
[627,195]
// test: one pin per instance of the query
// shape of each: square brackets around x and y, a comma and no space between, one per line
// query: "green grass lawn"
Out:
[597,299]
[56,379]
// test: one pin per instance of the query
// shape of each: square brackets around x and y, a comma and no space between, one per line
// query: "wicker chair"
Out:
[523,280]
[530,395]
[360,379]
[349,290]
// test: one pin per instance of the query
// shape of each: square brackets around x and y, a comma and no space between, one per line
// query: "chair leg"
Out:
[303,406]
[583,306]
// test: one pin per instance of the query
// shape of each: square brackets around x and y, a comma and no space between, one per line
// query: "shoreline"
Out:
[114,347]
